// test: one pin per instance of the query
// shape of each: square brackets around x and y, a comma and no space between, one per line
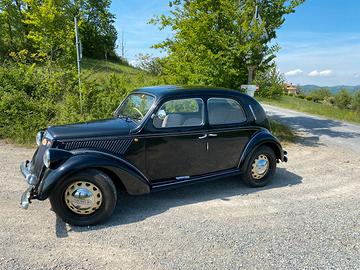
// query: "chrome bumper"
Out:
[31,180]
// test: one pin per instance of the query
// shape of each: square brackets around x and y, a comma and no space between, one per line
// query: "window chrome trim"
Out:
[252,111]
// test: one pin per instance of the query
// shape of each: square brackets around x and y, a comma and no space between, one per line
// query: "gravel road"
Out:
[308,218]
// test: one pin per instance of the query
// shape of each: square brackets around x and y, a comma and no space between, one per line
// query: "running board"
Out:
[183,181]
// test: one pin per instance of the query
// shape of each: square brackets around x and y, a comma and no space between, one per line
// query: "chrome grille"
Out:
[111,145]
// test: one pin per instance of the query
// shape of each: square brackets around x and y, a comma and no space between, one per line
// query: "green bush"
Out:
[343,99]
[271,83]
[320,94]
[33,97]
[301,96]
[309,98]
[355,104]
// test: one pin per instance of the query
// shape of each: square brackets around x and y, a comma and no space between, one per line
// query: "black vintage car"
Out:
[159,138]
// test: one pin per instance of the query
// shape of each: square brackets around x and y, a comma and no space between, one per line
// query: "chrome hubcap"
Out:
[260,167]
[83,197]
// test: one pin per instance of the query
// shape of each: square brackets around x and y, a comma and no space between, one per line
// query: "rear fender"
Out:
[260,138]
[131,178]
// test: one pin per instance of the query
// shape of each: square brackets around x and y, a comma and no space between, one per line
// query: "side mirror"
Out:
[161,114]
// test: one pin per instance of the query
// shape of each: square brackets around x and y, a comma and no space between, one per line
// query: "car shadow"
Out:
[309,129]
[132,209]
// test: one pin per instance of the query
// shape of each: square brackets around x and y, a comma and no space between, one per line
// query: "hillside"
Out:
[333,89]
[99,69]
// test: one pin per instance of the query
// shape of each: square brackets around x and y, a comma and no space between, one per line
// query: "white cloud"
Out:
[356,75]
[314,73]
[323,73]
[293,72]
[326,72]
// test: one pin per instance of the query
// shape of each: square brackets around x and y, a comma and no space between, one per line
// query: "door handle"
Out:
[213,135]
[203,137]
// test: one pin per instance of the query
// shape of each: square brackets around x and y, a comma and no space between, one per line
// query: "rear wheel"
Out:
[86,198]
[261,168]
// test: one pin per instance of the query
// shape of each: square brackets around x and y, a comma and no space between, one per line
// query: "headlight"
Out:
[47,158]
[39,137]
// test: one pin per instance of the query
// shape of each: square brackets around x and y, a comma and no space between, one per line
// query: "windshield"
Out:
[136,106]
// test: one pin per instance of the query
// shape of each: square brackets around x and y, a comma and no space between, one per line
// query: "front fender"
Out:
[133,180]
[262,137]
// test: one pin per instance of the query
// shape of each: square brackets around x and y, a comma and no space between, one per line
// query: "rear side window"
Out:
[224,111]
[180,113]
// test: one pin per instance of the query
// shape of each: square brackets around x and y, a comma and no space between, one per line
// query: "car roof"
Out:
[173,90]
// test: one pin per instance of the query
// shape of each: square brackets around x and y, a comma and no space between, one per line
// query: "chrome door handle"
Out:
[203,137]
[213,135]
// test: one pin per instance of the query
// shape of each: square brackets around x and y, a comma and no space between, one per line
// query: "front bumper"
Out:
[31,180]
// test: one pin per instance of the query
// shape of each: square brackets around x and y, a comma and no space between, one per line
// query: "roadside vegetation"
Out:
[341,106]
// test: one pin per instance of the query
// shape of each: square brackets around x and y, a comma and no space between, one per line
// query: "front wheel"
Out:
[261,168]
[85,198]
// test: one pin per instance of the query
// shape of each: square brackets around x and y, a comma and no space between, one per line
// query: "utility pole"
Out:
[122,45]
[78,56]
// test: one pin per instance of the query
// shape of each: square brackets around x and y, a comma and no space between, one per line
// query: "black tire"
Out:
[248,175]
[106,208]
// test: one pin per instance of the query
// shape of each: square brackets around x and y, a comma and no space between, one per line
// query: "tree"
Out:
[343,99]
[98,33]
[50,28]
[149,63]
[215,41]
[271,83]
[12,28]
[321,94]
[355,104]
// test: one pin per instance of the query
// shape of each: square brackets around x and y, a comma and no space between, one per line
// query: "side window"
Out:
[225,111]
[180,113]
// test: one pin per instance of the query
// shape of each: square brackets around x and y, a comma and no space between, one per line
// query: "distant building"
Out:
[291,89]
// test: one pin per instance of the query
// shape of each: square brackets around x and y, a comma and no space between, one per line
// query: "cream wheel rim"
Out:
[260,167]
[83,197]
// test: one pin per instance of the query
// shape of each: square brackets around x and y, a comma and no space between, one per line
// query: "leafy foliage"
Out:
[271,83]
[215,41]
[45,29]
[34,96]
[343,99]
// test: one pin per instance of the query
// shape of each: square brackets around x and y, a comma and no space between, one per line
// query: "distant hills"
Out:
[334,89]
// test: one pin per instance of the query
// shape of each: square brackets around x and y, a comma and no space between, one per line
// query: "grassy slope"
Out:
[311,107]
[99,69]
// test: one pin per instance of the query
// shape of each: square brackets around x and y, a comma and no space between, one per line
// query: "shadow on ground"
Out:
[132,209]
[310,129]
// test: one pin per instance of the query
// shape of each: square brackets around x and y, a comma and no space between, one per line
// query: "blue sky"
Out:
[320,43]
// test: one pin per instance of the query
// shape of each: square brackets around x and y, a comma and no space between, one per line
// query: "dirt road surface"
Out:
[308,217]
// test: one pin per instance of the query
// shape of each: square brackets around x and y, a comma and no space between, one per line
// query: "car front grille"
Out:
[114,146]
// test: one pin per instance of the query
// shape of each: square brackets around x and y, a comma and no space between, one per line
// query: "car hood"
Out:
[99,128]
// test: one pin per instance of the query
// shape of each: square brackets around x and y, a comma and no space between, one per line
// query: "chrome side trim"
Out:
[252,111]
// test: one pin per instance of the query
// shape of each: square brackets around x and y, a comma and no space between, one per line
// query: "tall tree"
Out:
[98,33]
[12,29]
[51,28]
[215,41]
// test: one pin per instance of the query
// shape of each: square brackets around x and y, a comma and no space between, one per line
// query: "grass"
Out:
[311,107]
[283,132]
[99,69]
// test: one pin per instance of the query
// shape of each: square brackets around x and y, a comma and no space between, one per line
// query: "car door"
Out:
[177,148]
[227,134]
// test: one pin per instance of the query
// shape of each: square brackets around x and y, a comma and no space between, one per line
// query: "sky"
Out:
[320,42]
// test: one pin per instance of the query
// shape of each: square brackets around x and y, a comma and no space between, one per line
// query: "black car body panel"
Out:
[143,158]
